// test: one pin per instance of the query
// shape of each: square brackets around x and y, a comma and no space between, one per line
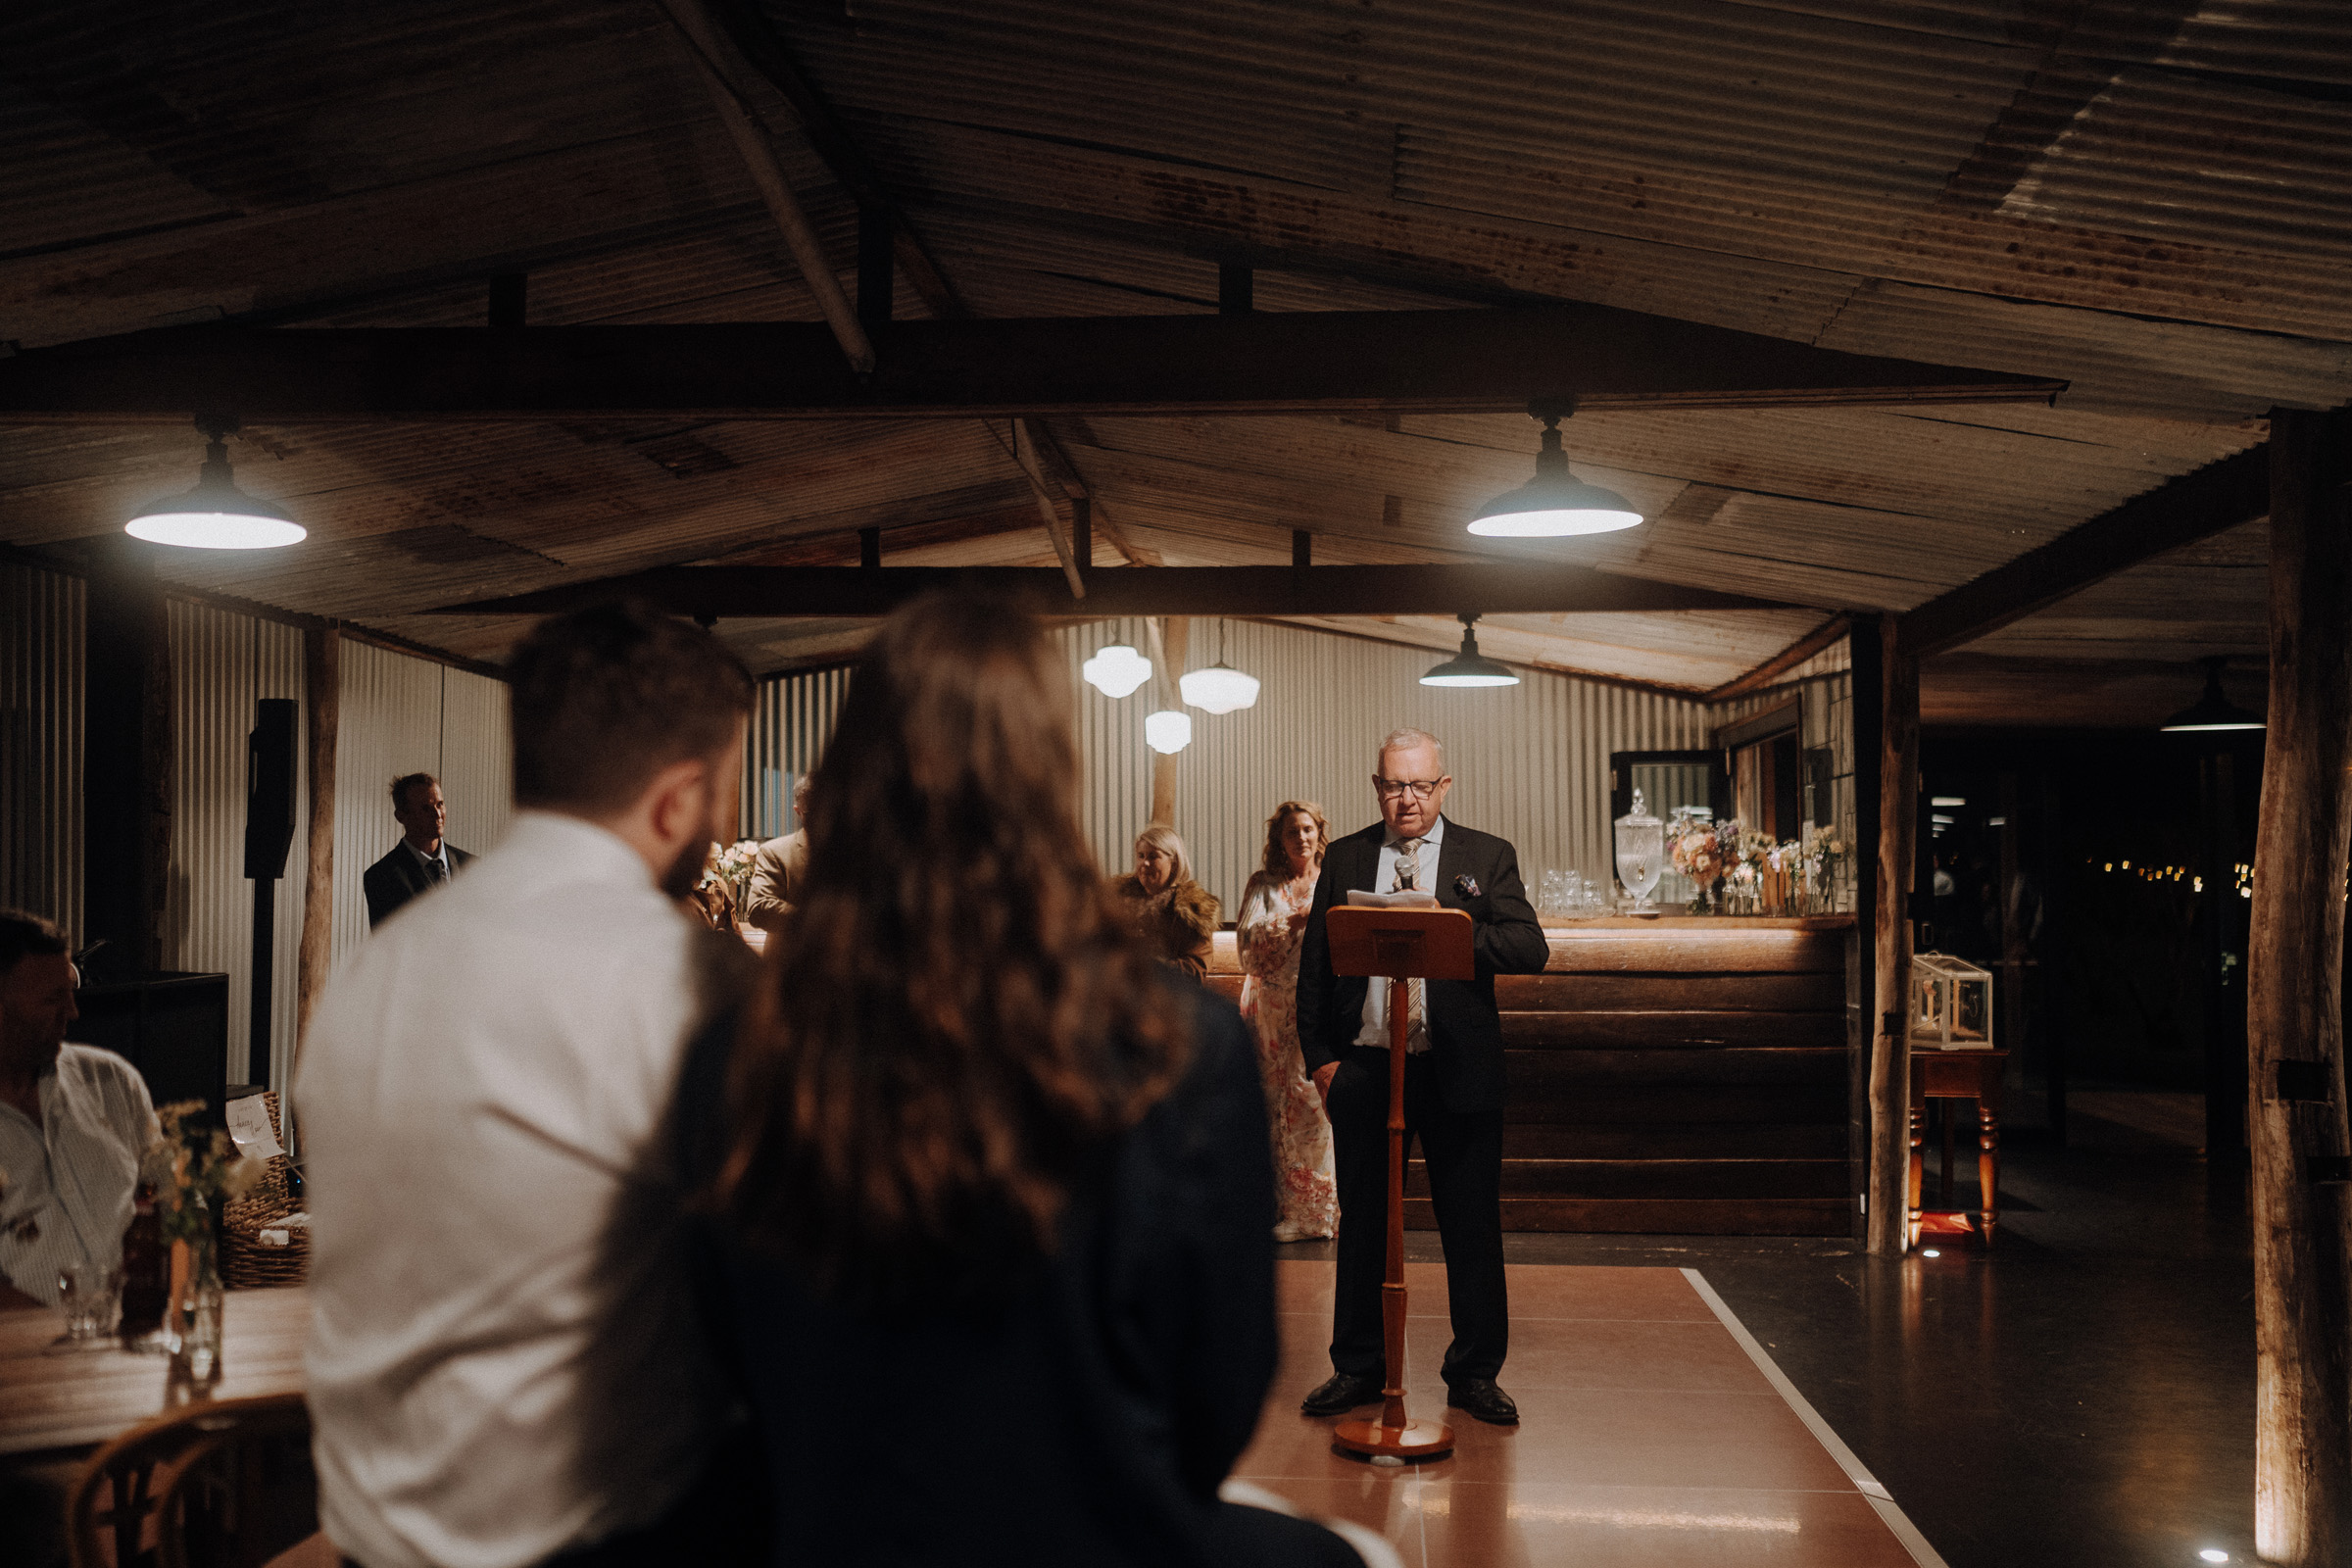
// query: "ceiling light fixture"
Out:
[1469,668]
[1555,502]
[1220,688]
[215,515]
[1116,670]
[2213,711]
[1168,731]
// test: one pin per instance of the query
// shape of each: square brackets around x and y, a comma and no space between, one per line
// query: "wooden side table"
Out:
[1959,1075]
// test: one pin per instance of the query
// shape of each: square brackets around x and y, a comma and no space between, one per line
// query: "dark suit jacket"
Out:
[397,878]
[1118,1384]
[1465,1031]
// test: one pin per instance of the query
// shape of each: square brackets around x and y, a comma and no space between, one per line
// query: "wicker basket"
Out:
[244,1261]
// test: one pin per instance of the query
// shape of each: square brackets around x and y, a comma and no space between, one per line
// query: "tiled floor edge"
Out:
[1864,1482]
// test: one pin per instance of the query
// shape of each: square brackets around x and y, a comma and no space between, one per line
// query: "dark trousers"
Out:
[1464,1156]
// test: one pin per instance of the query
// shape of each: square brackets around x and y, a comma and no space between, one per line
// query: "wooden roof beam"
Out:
[1307,362]
[732,592]
[2179,511]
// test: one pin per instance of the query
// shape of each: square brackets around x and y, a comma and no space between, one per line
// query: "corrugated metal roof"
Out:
[2152,206]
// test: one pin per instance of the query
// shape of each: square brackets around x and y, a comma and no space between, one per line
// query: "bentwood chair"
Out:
[225,1483]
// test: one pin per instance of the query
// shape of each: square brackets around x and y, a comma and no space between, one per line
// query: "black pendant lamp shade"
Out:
[215,515]
[1470,667]
[2213,711]
[1555,502]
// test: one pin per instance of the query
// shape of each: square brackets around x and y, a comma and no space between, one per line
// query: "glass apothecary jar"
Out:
[1951,1003]
[1640,854]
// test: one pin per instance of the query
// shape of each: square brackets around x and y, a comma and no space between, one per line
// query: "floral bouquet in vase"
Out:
[195,1171]
[1694,847]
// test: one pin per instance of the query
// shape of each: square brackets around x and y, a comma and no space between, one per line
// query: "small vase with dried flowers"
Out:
[196,1170]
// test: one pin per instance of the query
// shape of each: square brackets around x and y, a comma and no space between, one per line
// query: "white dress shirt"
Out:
[66,1186]
[504,1360]
[1375,1030]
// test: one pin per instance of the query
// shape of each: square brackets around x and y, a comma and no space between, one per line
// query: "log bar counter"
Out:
[1690,1075]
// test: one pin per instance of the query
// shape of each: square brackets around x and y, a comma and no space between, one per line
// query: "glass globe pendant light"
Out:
[1116,670]
[1555,502]
[1220,688]
[1168,731]
[215,515]
[1469,668]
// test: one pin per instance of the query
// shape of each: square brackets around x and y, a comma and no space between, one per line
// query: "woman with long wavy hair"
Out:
[1267,932]
[988,1196]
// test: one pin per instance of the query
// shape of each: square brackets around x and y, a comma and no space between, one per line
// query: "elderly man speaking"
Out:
[1453,1077]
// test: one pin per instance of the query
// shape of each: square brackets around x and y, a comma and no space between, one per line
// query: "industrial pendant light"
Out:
[2213,711]
[1116,670]
[1555,502]
[215,515]
[1470,667]
[1220,688]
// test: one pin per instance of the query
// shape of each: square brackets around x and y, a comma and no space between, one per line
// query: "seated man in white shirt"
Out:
[504,1364]
[75,1121]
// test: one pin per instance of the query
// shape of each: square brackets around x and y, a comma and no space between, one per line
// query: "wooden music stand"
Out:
[1401,945]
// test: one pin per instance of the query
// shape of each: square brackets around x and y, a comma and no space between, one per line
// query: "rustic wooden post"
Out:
[1897,762]
[322,686]
[2302,1277]
[1175,640]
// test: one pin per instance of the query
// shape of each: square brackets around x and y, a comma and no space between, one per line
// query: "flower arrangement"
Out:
[733,865]
[1701,849]
[196,1170]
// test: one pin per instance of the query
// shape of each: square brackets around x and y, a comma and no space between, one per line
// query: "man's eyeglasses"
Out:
[1391,788]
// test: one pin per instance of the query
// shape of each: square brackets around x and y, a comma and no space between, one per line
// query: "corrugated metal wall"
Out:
[221,664]
[1528,762]
[791,722]
[404,714]
[40,744]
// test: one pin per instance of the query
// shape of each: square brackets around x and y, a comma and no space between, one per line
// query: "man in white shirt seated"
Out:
[505,1368]
[75,1121]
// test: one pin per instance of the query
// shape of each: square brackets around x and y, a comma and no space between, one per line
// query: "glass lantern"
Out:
[1951,1003]
[1640,852]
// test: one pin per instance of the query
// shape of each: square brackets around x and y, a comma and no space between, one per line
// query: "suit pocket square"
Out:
[1466,885]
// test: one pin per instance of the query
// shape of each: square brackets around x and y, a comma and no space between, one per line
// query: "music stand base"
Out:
[1415,1440]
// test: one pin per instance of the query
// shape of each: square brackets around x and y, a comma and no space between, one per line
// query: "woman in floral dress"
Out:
[1273,918]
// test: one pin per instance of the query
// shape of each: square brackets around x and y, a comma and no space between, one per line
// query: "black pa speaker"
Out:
[270,789]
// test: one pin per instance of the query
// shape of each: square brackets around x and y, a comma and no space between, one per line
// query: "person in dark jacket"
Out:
[423,860]
[987,1193]
[1453,1077]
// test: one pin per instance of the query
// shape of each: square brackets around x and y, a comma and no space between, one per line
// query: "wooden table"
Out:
[1958,1075]
[54,1405]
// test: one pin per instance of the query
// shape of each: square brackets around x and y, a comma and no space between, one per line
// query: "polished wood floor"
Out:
[1650,1436]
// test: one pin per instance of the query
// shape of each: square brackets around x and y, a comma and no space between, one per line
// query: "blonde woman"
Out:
[1273,918]
[1176,915]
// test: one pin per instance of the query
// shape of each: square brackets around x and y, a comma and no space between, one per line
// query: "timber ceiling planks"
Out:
[2145,202]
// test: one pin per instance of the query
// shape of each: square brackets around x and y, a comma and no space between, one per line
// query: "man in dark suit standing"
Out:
[1453,1077]
[422,858]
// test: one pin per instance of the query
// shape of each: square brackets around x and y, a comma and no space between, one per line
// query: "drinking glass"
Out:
[89,1295]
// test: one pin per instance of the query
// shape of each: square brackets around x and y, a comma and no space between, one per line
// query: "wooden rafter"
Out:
[1382,590]
[2179,511]
[1304,361]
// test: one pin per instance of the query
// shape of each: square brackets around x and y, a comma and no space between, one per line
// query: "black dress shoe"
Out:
[1483,1399]
[1341,1392]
